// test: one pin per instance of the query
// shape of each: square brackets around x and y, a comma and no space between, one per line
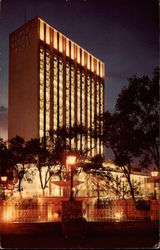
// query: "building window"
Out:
[88,62]
[83,97]
[78,98]
[60,93]
[60,43]
[78,54]
[41,94]
[67,95]
[67,47]
[89,113]
[55,92]
[47,91]
[55,39]
[41,30]
[72,96]
[47,34]
[72,50]
[93,112]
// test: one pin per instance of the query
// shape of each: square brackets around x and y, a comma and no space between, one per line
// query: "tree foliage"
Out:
[133,129]
[139,103]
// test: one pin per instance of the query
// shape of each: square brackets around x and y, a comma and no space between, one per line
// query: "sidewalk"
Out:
[99,235]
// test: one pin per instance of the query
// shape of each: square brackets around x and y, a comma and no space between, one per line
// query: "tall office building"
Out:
[53,82]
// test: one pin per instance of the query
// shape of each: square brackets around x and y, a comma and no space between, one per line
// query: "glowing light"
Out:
[78,54]
[41,30]
[55,39]
[71,159]
[118,215]
[60,43]
[67,47]
[92,64]
[101,69]
[4,178]
[47,34]
[72,50]
[88,61]
[82,57]
[97,67]
[123,178]
[154,173]
[9,213]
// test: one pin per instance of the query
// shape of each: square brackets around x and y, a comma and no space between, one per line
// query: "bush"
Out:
[142,205]
[73,218]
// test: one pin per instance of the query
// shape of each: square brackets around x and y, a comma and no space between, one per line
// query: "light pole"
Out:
[123,178]
[3,179]
[70,161]
[154,174]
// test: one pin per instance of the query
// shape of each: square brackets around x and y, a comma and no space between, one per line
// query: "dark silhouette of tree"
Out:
[5,157]
[132,130]
[139,103]
[19,158]
[97,174]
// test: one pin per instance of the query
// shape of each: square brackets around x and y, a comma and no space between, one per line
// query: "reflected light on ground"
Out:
[118,216]
[8,213]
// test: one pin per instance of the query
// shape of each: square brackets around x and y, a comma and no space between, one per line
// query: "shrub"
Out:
[73,218]
[142,205]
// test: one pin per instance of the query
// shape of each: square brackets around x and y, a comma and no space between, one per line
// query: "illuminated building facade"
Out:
[53,82]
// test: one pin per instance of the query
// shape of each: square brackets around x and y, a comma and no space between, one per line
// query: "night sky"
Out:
[122,33]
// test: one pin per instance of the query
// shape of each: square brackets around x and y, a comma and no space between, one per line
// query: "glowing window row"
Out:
[41,95]
[47,91]
[55,88]
[72,96]
[67,95]
[83,99]
[63,44]
[78,98]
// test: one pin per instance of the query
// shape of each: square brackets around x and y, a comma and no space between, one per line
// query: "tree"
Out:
[19,159]
[5,157]
[132,130]
[139,103]
[97,174]
[124,143]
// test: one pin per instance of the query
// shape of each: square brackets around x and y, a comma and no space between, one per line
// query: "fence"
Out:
[34,210]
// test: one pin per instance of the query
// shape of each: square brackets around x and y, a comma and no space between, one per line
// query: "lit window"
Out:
[41,30]
[92,64]
[101,69]
[82,57]
[97,67]
[60,42]
[88,62]
[72,95]
[72,50]
[41,94]
[60,93]
[78,98]
[67,95]
[67,47]
[47,34]
[55,39]
[83,98]
[78,54]
[55,84]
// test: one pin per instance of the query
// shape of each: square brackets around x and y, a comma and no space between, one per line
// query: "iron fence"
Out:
[31,210]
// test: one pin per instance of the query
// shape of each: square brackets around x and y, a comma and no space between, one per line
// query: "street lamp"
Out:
[123,178]
[70,161]
[154,174]
[4,179]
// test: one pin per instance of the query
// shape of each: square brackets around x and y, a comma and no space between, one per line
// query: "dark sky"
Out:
[122,33]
